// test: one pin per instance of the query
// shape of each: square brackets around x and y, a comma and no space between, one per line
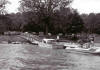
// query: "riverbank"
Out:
[37,38]
[6,39]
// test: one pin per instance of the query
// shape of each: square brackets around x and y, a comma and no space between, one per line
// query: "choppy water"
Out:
[29,57]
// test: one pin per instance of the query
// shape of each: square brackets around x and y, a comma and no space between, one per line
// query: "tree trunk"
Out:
[46,31]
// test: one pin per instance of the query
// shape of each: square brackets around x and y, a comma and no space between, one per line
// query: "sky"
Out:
[87,6]
[13,7]
[82,6]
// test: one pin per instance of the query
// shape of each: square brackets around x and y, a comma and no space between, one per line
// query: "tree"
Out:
[61,20]
[5,23]
[44,9]
[77,24]
[91,21]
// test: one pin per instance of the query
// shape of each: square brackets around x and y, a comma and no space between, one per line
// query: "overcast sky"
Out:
[13,7]
[83,6]
[87,6]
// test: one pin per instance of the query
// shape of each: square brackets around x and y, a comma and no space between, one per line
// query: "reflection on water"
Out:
[29,57]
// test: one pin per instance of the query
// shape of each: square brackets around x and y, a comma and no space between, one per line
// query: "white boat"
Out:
[71,45]
[86,48]
[16,42]
[51,43]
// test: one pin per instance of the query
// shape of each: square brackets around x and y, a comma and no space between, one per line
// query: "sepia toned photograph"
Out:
[49,34]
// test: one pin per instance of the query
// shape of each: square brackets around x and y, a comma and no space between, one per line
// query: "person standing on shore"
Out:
[58,37]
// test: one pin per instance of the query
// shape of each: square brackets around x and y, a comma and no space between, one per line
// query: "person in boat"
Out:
[89,43]
[92,39]
[92,42]
[81,43]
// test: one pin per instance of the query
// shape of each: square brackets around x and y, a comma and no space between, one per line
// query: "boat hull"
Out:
[85,51]
[53,46]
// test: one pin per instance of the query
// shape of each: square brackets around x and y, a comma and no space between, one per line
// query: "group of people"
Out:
[88,44]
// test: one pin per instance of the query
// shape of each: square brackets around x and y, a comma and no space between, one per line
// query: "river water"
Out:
[31,57]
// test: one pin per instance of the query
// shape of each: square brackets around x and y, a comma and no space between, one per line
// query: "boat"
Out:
[16,42]
[51,43]
[85,48]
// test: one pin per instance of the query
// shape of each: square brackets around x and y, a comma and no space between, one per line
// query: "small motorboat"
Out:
[85,48]
[51,43]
